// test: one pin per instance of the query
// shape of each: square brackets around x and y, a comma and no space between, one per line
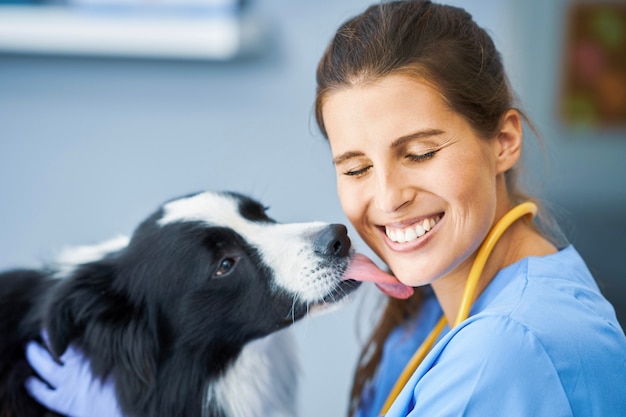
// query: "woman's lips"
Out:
[406,238]
[361,268]
[415,230]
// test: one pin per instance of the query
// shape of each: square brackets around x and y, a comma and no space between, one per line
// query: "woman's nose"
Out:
[392,193]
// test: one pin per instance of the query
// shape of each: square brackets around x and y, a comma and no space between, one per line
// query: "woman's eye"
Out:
[225,267]
[422,157]
[357,172]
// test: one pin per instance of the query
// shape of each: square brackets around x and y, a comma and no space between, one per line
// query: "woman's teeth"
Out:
[413,232]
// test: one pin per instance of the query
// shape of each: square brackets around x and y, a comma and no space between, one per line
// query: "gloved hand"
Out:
[74,391]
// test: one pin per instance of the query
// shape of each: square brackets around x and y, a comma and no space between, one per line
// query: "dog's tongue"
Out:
[362,268]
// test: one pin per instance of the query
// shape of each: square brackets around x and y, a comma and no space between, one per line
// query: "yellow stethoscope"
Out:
[468,296]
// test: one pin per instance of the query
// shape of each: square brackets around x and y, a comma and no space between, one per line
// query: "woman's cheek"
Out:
[345,197]
[351,202]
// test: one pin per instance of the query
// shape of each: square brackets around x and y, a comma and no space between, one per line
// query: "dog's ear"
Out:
[87,309]
[79,299]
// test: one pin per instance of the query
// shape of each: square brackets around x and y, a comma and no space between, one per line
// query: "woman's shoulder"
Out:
[549,316]
[543,289]
[557,295]
[557,351]
[554,297]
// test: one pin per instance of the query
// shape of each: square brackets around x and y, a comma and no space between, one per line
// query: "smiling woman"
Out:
[426,142]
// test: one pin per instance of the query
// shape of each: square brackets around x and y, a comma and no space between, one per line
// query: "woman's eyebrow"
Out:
[345,156]
[422,134]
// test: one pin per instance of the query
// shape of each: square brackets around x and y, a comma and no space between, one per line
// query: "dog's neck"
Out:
[261,382]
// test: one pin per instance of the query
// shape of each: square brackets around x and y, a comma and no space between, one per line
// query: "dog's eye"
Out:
[225,267]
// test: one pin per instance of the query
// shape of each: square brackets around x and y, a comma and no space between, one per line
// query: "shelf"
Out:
[203,33]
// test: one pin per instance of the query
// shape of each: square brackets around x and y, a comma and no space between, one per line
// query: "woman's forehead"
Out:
[391,108]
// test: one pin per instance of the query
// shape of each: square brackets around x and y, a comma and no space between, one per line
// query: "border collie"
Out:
[178,314]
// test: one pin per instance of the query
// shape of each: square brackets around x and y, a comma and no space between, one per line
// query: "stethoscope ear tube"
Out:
[484,251]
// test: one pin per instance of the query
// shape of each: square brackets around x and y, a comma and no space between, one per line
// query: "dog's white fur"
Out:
[263,381]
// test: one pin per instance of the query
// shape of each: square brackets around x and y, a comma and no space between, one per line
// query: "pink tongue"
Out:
[362,268]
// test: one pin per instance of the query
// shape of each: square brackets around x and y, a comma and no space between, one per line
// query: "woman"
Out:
[426,141]
[416,106]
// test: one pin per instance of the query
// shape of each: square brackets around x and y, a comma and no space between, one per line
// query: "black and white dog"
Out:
[179,313]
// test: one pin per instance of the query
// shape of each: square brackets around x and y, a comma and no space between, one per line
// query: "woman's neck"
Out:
[518,242]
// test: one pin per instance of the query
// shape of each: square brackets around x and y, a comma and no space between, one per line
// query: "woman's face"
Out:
[414,179]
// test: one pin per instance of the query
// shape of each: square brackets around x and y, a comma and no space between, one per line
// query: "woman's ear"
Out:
[509,141]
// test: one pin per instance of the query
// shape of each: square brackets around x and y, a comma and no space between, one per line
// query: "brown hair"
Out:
[440,45]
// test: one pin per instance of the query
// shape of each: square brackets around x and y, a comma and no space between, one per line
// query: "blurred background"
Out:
[107,110]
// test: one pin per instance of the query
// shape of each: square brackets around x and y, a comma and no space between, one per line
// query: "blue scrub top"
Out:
[541,340]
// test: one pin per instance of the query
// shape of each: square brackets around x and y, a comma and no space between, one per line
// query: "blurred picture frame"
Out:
[593,69]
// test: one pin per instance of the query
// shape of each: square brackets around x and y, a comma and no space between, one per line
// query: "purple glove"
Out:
[74,391]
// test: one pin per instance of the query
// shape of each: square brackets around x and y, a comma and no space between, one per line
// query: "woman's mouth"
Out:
[412,232]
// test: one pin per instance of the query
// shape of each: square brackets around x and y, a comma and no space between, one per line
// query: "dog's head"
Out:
[208,271]
[216,262]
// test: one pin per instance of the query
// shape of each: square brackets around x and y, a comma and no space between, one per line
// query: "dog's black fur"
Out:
[168,314]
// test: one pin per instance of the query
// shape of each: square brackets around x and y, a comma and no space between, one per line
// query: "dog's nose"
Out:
[333,241]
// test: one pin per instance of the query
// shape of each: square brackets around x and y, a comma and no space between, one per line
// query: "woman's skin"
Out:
[403,159]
